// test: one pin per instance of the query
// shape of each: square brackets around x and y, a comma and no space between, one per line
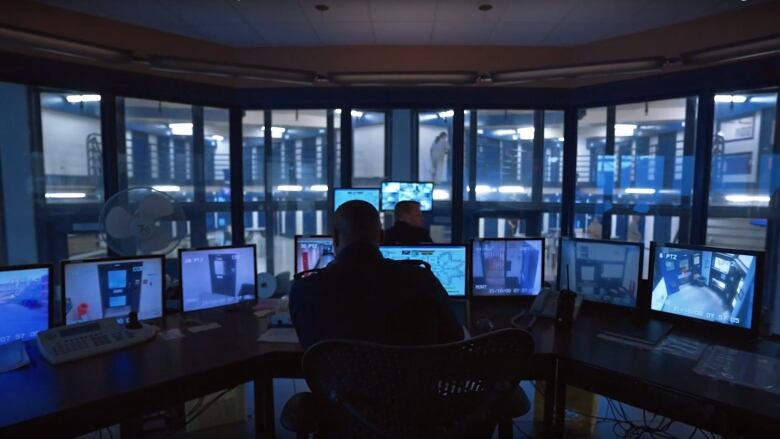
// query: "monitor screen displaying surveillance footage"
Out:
[216,277]
[24,302]
[507,267]
[448,263]
[313,252]
[715,285]
[342,195]
[601,271]
[97,289]
[393,192]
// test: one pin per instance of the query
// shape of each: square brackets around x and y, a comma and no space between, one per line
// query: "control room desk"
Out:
[42,400]
[660,383]
[86,395]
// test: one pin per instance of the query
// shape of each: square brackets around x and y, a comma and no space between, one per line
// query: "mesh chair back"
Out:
[445,390]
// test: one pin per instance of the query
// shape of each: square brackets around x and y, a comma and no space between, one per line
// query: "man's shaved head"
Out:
[356,222]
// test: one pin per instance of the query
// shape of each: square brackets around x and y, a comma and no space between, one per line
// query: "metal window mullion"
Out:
[456,210]
[199,232]
[236,118]
[267,184]
[702,168]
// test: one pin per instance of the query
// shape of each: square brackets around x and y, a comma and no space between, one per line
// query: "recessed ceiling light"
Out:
[322,7]
[484,7]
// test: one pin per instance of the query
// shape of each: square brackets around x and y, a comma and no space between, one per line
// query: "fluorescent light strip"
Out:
[276,132]
[484,189]
[243,71]
[446,114]
[167,188]
[319,188]
[65,195]
[76,99]
[511,189]
[579,71]
[624,129]
[181,129]
[526,133]
[731,99]
[408,78]
[217,137]
[289,188]
[441,194]
[640,190]
[745,198]
[735,52]
[61,46]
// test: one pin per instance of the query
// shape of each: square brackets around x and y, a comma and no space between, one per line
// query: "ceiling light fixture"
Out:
[77,99]
[623,67]
[10,36]
[748,49]
[484,7]
[322,7]
[403,78]
[730,99]
[242,71]
[181,129]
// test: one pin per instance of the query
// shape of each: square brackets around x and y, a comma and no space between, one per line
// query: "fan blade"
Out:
[155,206]
[117,223]
[158,240]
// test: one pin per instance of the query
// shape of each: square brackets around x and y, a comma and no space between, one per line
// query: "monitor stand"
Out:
[642,330]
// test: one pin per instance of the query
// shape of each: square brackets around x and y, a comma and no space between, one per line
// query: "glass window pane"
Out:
[216,148]
[159,146]
[72,147]
[505,149]
[298,179]
[644,229]
[743,149]
[368,139]
[654,152]
[435,164]
[73,170]
[553,157]
[594,167]
[254,184]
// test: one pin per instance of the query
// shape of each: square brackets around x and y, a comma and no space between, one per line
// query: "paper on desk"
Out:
[279,335]
[171,334]
[206,327]
[13,356]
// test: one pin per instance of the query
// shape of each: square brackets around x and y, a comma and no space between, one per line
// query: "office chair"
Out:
[456,390]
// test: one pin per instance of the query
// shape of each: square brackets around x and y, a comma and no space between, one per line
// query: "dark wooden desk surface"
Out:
[88,394]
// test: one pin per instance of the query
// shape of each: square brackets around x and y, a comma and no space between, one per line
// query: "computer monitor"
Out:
[716,285]
[25,293]
[342,195]
[601,271]
[448,262]
[394,191]
[312,252]
[219,276]
[101,288]
[507,267]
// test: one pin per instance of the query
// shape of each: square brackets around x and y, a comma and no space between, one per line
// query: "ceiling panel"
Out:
[521,33]
[247,23]
[403,33]
[344,33]
[401,11]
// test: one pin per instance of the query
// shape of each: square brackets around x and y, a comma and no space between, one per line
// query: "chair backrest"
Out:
[427,391]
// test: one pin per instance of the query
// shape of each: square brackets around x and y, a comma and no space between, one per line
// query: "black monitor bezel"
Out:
[382,193]
[66,262]
[470,257]
[295,249]
[378,194]
[434,245]
[758,292]
[51,311]
[641,294]
[224,247]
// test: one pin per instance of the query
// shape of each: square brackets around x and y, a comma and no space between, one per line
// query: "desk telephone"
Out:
[82,340]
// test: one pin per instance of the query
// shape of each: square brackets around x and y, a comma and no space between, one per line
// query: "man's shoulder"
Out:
[411,267]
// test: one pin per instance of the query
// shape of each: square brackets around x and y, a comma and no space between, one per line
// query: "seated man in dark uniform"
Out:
[362,296]
[409,227]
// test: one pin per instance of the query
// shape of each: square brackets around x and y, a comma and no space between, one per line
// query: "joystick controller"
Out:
[132,321]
